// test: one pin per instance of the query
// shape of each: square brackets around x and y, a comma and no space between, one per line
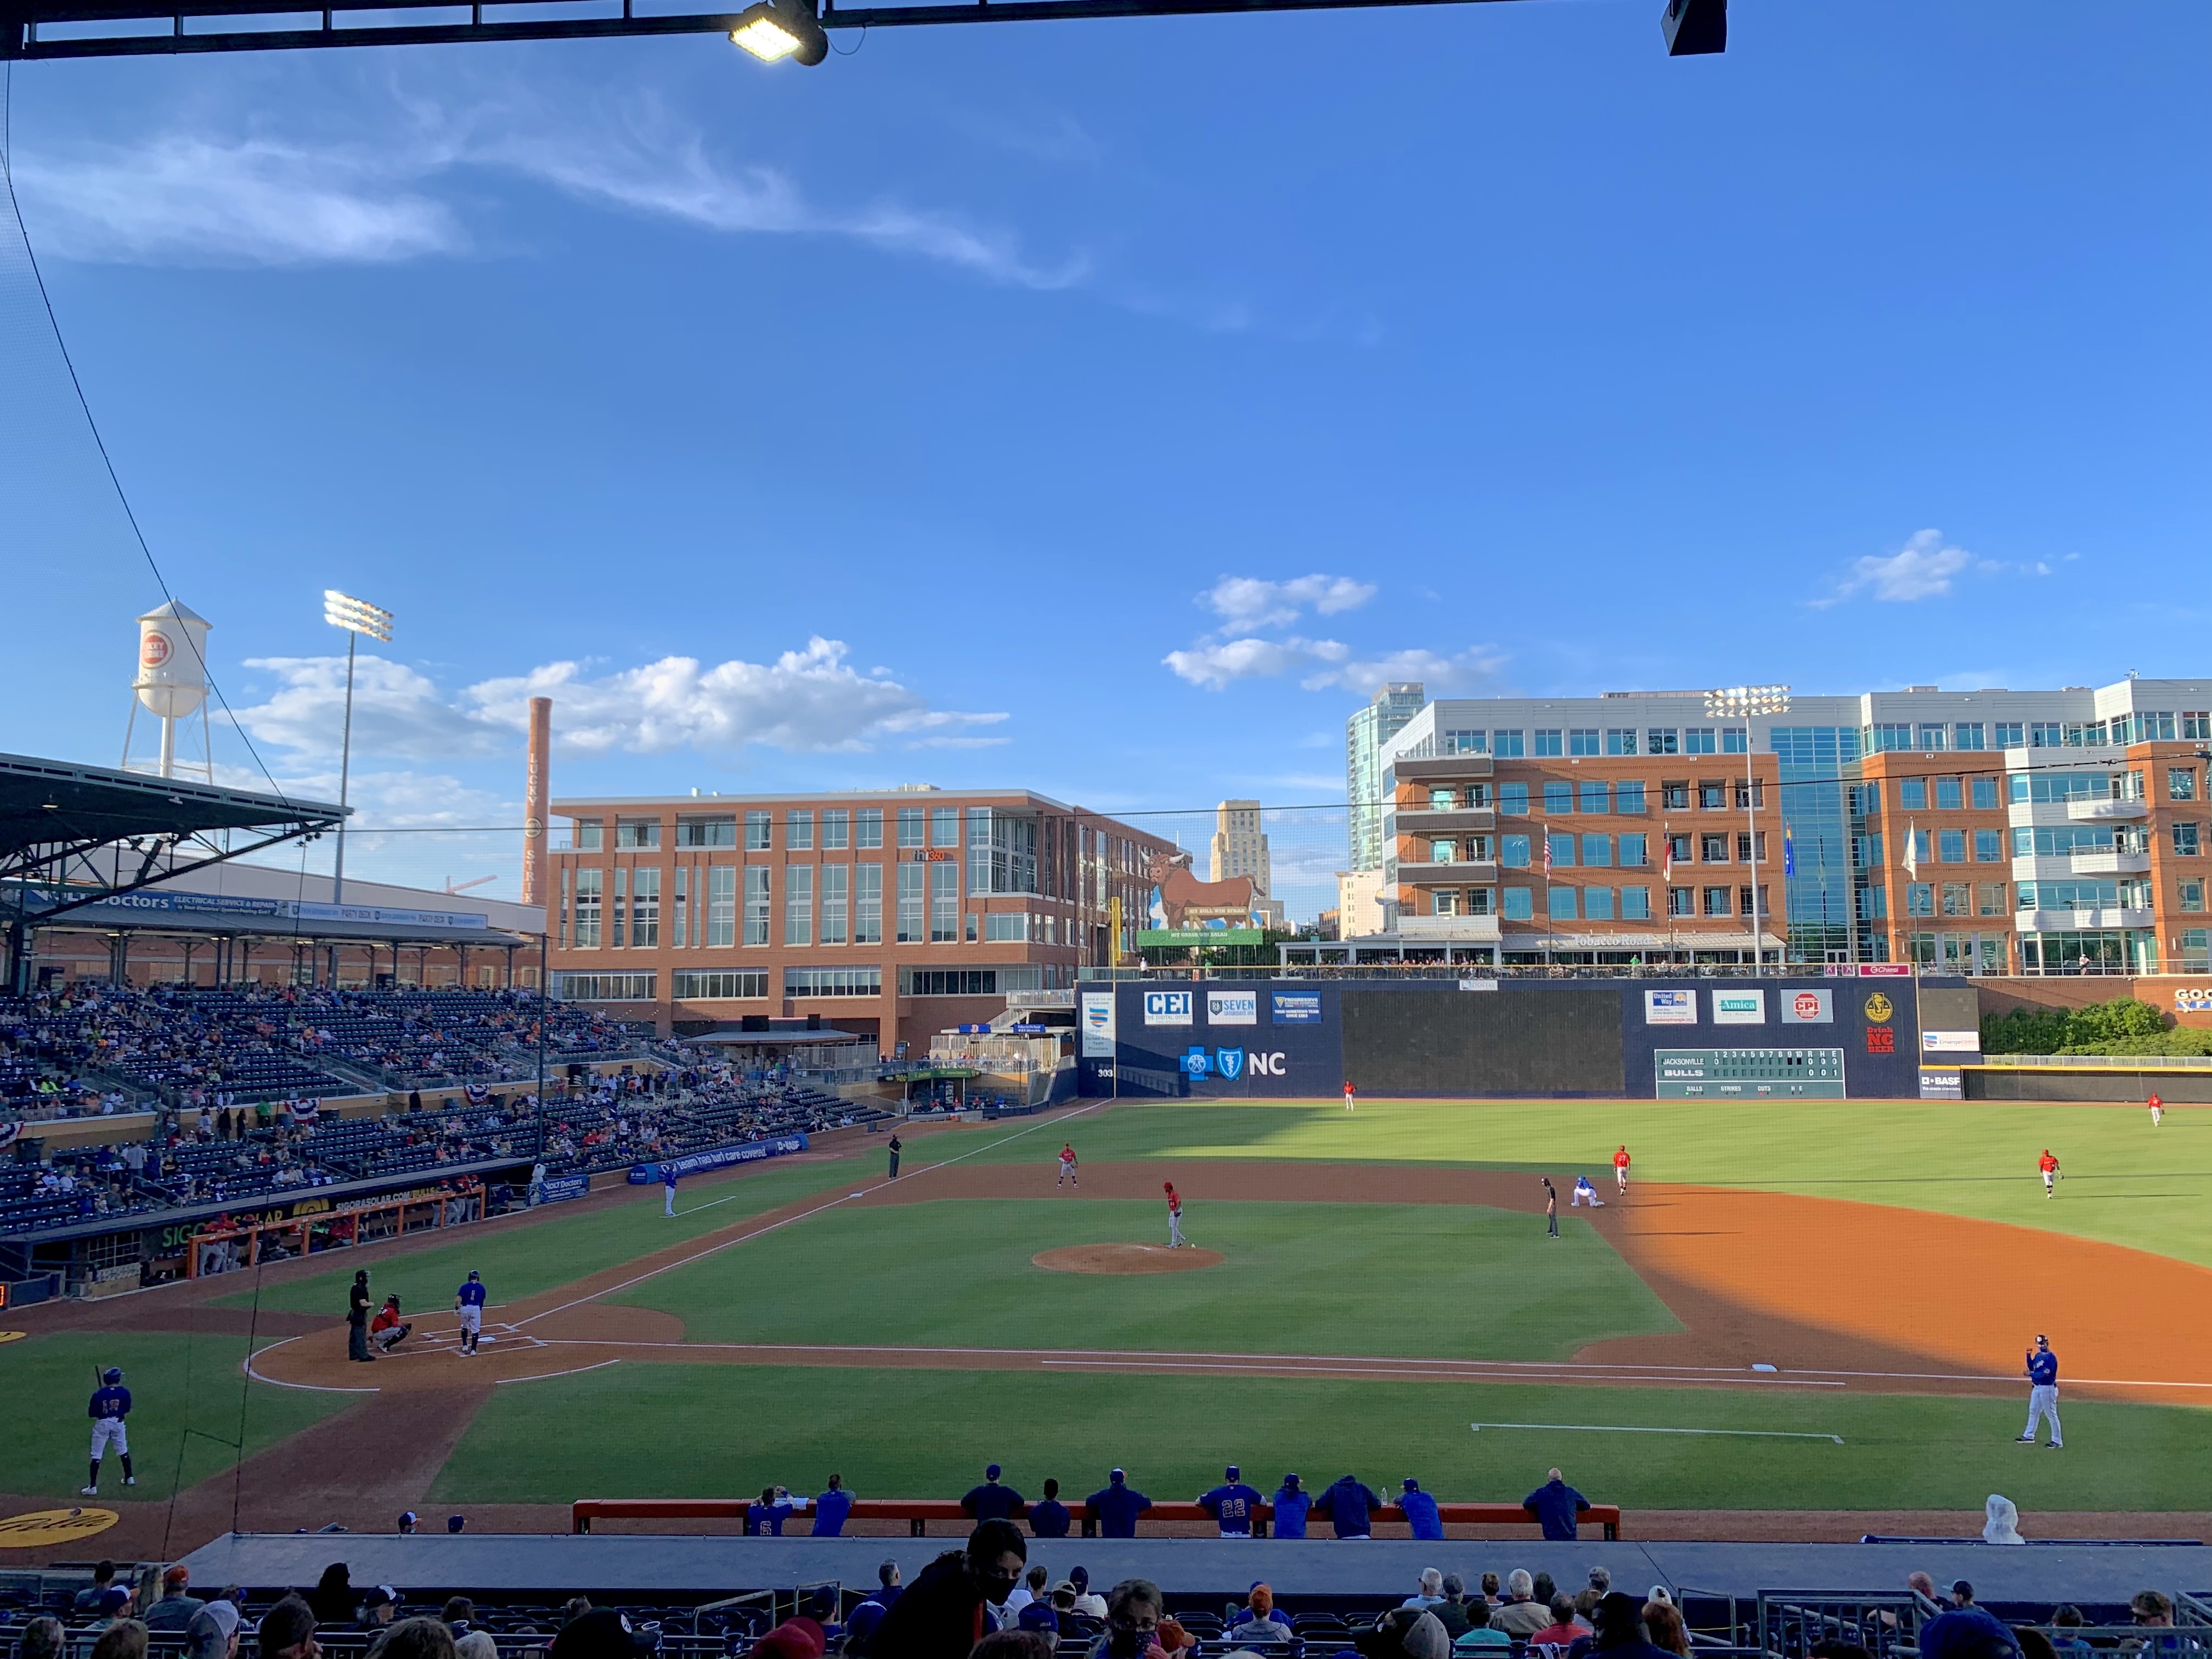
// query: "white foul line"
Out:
[804,1215]
[1470,1372]
[1634,1428]
[574,1371]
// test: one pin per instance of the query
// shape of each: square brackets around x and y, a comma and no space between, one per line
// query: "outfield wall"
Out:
[1837,1037]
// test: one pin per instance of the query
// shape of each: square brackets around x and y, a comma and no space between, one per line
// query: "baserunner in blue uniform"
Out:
[1232,1504]
[109,1406]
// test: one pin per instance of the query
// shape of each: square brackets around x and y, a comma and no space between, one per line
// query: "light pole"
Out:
[1746,702]
[358,617]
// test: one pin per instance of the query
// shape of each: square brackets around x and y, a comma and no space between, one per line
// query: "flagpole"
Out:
[1548,896]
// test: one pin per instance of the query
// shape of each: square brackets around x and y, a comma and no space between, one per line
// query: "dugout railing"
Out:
[919,1513]
[1886,1623]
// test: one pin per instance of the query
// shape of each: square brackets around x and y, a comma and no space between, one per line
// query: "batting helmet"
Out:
[110,1376]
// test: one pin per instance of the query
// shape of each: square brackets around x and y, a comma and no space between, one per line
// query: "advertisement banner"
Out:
[1950,1042]
[556,1189]
[1884,969]
[1233,1007]
[1670,1007]
[1943,1085]
[1167,1008]
[1808,1007]
[1097,1023]
[1180,938]
[1739,1008]
[2192,999]
[719,1157]
[1296,1007]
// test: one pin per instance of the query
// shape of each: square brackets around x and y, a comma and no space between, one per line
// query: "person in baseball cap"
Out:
[794,1639]
[409,1521]
[603,1633]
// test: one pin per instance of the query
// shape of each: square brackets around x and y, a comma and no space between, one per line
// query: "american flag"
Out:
[1547,855]
[1666,858]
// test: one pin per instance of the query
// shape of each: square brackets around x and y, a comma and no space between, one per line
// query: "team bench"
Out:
[919,1513]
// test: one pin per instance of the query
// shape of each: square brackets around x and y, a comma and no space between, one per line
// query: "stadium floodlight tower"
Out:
[358,617]
[1745,702]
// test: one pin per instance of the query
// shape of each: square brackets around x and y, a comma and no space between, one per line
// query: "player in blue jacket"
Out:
[109,1406]
[1048,1518]
[1116,1505]
[993,1501]
[2042,1394]
[1230,1503]
[1292,1502]
[1349,1503]
[831,1509]
[1420,1510]
[469,1302]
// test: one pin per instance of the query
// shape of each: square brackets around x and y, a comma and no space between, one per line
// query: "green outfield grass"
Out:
[1334,1279]
[554,1248]
[926,1433]
[177,1384]
[2126,1182]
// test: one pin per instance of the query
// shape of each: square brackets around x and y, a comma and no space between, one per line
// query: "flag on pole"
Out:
[1667,857]
[1547,855]
[1912,848]
[1788,854]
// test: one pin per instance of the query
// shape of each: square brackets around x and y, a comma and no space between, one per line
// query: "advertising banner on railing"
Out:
[719,1157]
[556,1189]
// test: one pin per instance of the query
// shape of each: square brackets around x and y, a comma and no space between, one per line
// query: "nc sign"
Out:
[1231,1064]
[1167,1008]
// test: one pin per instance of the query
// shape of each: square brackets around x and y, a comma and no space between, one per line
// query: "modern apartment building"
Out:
[1985,831]
[894,914]
[1366,735]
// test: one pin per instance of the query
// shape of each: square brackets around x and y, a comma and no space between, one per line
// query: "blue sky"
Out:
[1115,403]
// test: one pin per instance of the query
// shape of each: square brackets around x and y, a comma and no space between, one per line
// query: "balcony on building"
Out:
[2076,922]
[1440,821]
[2059,868]
[1441,769]
[2094,811]
[1452,872]
[1447,930]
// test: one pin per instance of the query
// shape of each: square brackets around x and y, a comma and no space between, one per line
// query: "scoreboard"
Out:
[1749,1074]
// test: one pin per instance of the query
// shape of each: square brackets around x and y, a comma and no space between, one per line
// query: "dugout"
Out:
[1828,1037]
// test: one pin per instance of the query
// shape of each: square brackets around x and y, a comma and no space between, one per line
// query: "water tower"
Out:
[172,684]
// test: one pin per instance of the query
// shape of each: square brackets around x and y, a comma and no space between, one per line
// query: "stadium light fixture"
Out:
[1748,699]
[775,29]
[358,617]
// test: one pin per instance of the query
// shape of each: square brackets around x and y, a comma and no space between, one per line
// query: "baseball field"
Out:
[1800,1309]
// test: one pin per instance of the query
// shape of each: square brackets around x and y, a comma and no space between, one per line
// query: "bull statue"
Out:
[1184,894]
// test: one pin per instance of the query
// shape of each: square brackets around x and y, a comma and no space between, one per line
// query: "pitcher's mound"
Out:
[1126,1259]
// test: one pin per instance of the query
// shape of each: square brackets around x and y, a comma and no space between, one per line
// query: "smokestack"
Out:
[534,801]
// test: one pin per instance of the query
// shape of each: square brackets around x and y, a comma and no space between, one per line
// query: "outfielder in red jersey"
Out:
[2049,1165]
[1620,1171]
[1176,1240]
[1068,1165]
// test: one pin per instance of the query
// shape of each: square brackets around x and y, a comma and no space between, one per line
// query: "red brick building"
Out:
[894,914]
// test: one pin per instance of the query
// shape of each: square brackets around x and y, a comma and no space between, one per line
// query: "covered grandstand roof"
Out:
[44,802]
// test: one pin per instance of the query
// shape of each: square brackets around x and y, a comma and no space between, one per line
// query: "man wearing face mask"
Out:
[946,1610]
[1133,1611]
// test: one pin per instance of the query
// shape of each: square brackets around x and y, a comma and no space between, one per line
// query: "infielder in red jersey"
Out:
[1620,1171]
[1068,1165]
[2049,1165]
[1176,1240]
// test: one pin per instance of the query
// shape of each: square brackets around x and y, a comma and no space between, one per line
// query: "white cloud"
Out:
[397,711]
[1213,665]
[183,197]
[806,699]
[1252,602]
[1923,568]
[1320,664]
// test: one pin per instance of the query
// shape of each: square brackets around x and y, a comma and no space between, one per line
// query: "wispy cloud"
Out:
[1254,602]
[1217,660]
[806,701]
[199,197]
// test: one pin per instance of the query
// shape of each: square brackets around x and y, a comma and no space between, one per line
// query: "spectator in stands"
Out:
[1116,1505]
[1088,1603]
[459,1615]
[2150,1609]
[1600,1581]
[1048,1518]
[1134,1609]
[2065,1627]
[1965,1632]
[334,1599]
[991,1501]
[213,1633]
[1556,1506]
[42,1639]
[1451,1612]
[287,1631]
[1430,1592]
[1292,1502]
[1543,1589]
[124,1639]
[414,1639]
[87,1599]
[1521,1614]
[602,1633]
[796,1637]
[1620,1629]
[942,1614]
[174,1611]
[1036,1587]
[1411,1631]
[476,1644]
[1259,1622]
[1349,1502]
[1563,1630]
[1044,1614]
[831,1508]
[1480,1633]
[861,1624]
[1663,1620]
[1420,1509]
[378,1607]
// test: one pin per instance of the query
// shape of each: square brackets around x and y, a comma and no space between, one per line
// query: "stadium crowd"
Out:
[986,1601]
